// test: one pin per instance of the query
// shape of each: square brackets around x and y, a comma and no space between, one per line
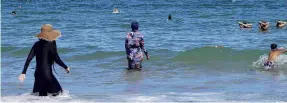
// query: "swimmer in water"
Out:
[14,12]
[263,25]
[273,55]
[169,17]
[244,25]
[116,10]
[280,24]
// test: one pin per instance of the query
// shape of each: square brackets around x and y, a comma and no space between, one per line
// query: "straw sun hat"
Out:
[48,33]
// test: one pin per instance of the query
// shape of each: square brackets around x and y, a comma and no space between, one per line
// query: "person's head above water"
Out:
[14,12]
[115,9]
[244,22]
[263,21]
[263,25]
[135,26]
[169,17]
[273,46]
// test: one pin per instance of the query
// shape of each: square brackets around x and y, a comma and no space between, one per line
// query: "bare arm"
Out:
[283,51]
[249,24]
[240,23]
[281,22]
[244,25]
[267,24]
[260,22]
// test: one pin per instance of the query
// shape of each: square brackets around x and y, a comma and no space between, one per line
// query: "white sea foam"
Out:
[146,99]
[166,97]
[200,97]
[28,97]
[183,97]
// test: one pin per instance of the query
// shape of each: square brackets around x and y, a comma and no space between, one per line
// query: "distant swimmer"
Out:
[13,12]
[169,17]
[273,54]
[20,6]
[263,25]
[244,25]
[46,54]
[135,48]
[116,10]
[280,24]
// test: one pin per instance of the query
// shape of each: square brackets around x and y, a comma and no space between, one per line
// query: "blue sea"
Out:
[201,55]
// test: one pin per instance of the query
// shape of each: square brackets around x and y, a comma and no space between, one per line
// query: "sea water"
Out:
[201,55]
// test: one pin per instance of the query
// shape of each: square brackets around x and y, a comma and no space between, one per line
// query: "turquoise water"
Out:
[185,65]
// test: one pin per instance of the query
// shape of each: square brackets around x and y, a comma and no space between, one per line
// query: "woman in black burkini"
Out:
[46,54]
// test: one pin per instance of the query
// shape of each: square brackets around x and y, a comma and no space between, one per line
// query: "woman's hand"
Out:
[22,78]
[68,70]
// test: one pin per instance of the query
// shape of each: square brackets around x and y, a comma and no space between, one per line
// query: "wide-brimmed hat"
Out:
[48,33]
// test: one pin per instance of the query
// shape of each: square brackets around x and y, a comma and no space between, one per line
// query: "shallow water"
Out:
[185,65]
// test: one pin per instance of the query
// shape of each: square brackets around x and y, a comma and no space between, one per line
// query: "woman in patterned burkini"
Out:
[134,45]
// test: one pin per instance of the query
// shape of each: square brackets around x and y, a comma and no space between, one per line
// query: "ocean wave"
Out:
[176,97]
[24,51]
[195,55]
[217,54]
[204,56]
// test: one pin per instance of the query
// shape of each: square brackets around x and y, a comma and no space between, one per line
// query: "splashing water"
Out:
[28,97]
[280,63]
